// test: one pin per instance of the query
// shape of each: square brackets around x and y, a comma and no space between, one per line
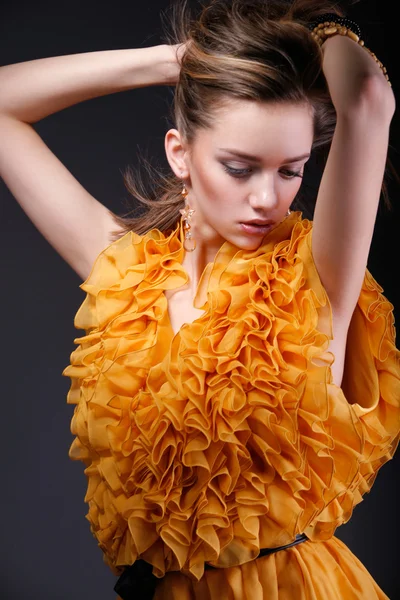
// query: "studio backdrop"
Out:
[47,550]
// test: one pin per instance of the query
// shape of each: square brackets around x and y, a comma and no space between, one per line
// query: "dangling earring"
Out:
[189,244]
[288,212]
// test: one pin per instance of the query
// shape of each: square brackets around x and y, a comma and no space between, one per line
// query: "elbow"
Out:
[376,98]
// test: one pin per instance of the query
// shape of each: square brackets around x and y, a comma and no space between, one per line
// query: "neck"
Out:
[207,245]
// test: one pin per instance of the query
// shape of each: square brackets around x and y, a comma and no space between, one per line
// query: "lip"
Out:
[256,229]
[258,222]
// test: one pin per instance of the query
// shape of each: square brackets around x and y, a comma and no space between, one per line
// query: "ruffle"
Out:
[230,436]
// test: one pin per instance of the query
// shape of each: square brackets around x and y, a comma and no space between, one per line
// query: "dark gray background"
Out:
[47,550]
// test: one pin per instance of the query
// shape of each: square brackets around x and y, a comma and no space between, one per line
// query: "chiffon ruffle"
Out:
[230,436]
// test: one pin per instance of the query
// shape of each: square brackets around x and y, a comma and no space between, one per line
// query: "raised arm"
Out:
[349,192]
[70,218]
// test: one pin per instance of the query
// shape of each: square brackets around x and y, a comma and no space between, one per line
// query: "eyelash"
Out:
[241,173]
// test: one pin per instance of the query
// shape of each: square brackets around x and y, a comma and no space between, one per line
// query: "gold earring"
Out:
[189,243]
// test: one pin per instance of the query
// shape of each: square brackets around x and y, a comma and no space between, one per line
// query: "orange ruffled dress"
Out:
[230,436]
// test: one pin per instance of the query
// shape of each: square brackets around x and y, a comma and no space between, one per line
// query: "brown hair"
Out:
[246,49]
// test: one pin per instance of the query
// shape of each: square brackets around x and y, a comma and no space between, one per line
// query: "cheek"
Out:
[289,189]
[212,183]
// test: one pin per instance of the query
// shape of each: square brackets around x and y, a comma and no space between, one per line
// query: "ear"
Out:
[176,152]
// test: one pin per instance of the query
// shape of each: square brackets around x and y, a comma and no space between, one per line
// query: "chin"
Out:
[245,243]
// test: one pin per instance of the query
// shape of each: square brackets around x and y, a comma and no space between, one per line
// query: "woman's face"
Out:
[227,189]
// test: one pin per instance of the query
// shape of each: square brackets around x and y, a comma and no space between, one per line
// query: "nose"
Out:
[263,196]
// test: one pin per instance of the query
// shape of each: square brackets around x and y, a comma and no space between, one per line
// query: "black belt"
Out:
[137,582]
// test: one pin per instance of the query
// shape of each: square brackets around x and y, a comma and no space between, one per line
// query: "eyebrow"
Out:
[251,157]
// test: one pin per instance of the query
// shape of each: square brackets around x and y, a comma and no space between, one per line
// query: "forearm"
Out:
[32,90]
[349,70]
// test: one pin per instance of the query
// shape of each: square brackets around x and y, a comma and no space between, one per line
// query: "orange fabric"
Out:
[230,436]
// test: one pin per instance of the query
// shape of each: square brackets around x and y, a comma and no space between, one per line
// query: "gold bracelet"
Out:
[328,29]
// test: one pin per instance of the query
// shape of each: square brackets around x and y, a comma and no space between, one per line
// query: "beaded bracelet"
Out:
[330,24]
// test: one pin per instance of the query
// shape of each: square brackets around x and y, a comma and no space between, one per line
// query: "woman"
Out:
[237,389]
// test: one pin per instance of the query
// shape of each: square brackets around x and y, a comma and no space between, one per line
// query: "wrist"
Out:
[352,76]
[347,67]
[170,63]
[344,28]
[149,66]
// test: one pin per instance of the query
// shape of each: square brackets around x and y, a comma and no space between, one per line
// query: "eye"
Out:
[236,172]
[240,173]
[291,174]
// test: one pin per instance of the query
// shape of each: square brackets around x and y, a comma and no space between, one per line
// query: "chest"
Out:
[181,311]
